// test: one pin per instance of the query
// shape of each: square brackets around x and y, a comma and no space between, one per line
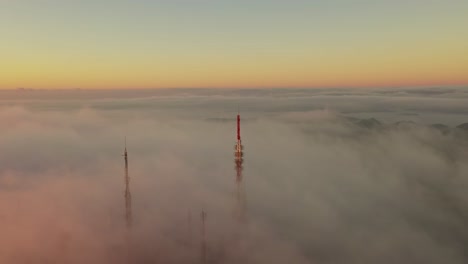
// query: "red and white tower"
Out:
[239,160]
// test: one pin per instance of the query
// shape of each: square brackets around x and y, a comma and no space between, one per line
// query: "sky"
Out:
[317,180]
[240,44]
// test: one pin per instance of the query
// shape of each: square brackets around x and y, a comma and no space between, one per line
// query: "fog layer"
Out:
[321,187]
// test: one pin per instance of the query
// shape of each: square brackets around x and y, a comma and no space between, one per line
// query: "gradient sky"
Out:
[236,43]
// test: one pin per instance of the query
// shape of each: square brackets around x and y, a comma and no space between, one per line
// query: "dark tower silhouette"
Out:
[128,209]
[189,227]
[128,196]
[203,242]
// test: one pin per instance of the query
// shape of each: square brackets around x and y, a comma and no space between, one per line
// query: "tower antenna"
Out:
[128,206]
[128,196]
[189,226]
[203,243]
[239,166]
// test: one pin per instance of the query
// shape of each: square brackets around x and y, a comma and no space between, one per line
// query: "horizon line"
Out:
[237,88]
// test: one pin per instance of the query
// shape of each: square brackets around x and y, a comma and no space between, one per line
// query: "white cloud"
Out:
[320,190]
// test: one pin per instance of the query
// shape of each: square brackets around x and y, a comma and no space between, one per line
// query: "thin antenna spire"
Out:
[189,225]
[203,245]
[238,128]
[128,205]
[128,196]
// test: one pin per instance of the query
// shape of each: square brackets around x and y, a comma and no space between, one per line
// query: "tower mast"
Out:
[189,225]
[128,196]
[203,242]
[239,160]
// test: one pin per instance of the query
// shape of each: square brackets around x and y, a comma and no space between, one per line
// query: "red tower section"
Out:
[238,128]
[239,152]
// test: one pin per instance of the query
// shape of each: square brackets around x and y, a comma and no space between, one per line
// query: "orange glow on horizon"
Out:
[157,47]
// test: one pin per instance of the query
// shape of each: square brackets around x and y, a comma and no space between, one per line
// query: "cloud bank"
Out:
[322,186]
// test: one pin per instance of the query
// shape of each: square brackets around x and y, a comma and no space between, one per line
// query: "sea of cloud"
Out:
[320,188]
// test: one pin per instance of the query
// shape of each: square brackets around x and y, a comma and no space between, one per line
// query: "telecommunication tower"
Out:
[239,161]
[128,196]
[203,242]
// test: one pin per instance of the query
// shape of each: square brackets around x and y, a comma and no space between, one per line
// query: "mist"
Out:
[322,185]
